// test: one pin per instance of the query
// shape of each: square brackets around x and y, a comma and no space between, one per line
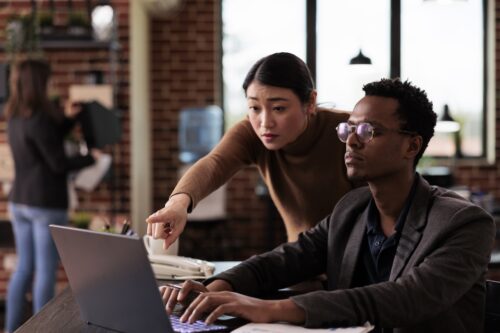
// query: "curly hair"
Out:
[415,110]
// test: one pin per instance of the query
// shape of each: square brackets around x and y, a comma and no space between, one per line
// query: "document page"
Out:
[287,328]
[88,178]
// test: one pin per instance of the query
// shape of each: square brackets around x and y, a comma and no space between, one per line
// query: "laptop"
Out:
[114,285]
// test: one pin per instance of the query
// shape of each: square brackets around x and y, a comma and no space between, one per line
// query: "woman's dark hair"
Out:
[28,90]
[415,110]
[283,70]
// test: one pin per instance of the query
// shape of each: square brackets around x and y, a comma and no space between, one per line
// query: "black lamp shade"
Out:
[446,116]
[446,123]
[360,59]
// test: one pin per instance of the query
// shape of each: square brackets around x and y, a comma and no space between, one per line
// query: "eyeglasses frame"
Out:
[352,128]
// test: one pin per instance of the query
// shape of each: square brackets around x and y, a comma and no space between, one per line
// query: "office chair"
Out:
[492,318]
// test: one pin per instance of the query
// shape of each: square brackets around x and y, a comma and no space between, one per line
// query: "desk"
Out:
[62,314]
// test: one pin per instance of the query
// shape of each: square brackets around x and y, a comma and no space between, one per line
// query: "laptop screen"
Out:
[112,281]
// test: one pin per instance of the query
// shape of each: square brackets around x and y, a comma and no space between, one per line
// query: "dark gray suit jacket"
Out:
[437,282]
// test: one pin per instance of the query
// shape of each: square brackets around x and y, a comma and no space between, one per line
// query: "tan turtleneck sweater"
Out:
[305,179]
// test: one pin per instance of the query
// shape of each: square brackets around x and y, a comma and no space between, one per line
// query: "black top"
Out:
[41,166]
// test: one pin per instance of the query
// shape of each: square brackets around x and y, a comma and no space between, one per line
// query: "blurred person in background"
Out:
[39,197]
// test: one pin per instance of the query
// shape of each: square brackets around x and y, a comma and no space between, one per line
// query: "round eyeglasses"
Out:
[364,131]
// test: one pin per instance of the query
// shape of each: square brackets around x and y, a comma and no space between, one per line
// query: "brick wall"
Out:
[73,64]
[186,60]
[185,72]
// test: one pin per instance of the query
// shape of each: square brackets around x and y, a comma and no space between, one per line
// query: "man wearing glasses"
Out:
[399,253]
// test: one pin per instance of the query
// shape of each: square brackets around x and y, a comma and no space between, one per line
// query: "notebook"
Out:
[113,283]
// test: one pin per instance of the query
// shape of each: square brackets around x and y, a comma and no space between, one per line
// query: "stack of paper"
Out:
[287,328]
[88,178]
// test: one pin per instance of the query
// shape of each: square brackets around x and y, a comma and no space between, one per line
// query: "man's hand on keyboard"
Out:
[183,294]
[217,299]
[216,304]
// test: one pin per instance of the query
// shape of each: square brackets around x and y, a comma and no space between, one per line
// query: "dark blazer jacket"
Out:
[41,166]
[437,282]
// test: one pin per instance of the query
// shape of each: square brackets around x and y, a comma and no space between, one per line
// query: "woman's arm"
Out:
[237,149]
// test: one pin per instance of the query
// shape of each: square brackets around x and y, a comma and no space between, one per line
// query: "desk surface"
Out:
[62,314]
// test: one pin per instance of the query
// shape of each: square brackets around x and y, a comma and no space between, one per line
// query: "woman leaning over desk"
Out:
[39,195]
[292,142]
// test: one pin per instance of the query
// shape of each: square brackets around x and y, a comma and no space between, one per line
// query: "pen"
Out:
[125,227]
[190,297]
[179,287]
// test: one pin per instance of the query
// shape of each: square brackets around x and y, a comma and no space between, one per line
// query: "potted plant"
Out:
[46,22]
[81,219]
[78,24]
[21,36]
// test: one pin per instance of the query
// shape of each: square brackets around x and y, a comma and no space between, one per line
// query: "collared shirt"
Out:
[378,251]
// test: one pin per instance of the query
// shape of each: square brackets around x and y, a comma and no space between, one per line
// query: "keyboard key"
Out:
[197,326]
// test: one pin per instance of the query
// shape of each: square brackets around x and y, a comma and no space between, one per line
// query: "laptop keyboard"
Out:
[197,326]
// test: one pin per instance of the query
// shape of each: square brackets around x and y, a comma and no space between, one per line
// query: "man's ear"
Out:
[414,146]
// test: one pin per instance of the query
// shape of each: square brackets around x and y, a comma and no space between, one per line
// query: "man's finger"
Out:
[219,311]
[187,313]
[172,300]
[204,305]
[165,291]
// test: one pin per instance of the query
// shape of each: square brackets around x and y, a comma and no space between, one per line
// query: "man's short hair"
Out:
[415,110]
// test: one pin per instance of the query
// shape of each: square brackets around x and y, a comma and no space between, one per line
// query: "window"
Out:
[343,29]
[443,49]
[252,30]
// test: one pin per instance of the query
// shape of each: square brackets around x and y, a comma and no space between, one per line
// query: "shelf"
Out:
[69,43]
[76,44]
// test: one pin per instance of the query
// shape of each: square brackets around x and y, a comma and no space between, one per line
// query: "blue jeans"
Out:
[37,255]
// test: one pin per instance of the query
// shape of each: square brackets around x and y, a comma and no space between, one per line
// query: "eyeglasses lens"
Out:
[343,131]
[364,132]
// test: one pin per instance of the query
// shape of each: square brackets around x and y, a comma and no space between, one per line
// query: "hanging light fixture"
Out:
[444,1]
[102,21]
[446,123]
[360,59]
